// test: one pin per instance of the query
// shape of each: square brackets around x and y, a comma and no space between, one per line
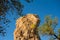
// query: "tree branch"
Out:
[56,36]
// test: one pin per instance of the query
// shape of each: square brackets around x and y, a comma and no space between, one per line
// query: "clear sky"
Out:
[39,7]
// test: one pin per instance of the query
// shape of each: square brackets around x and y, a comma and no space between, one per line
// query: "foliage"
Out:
[5,7]
[48,27]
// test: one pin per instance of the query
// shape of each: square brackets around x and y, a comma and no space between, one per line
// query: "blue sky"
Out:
[39,7]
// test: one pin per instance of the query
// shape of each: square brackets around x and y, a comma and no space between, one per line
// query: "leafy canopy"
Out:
[48,27]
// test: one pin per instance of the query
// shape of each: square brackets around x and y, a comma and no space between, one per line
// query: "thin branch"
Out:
[56,36]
